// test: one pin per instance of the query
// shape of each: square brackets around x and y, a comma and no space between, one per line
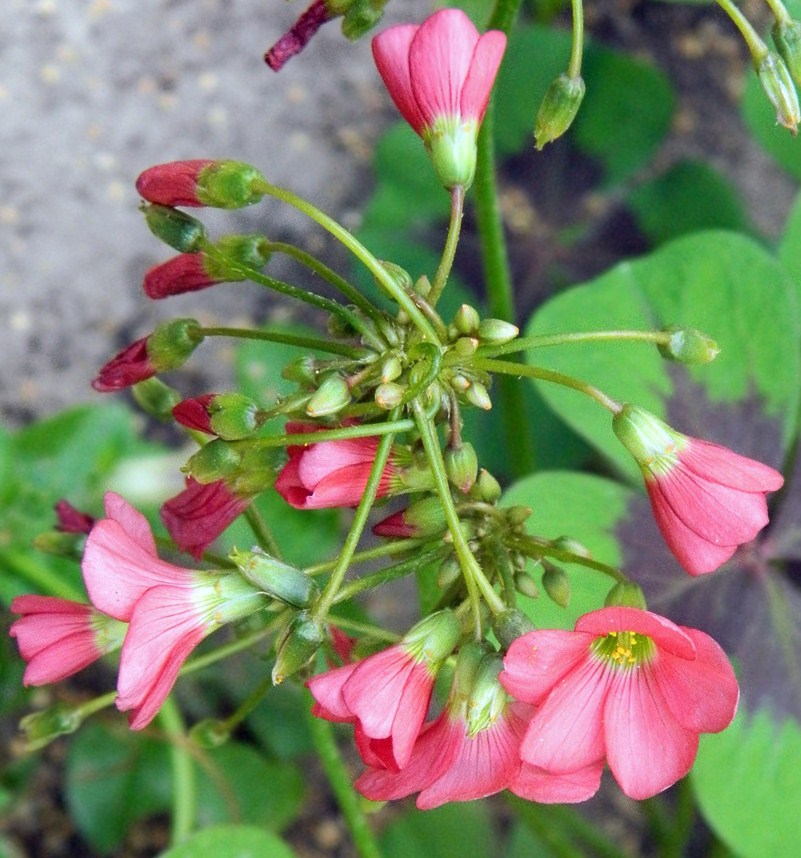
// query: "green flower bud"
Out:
[626,595]
[778,86]
[558,109]
[466,320]
[233,416]
[209,734]
[556,584]
[496,332]
[297,646]
[567,543]
[449,572]
[156,398]
[391,369]
[389,395]
[214,461]
[787,37]
[252,251]
[172,343]
[277,579]
[477,395]
[174,227]
[461,466]
[41,728]
[301,371]
[331,396]
[526,586]
[511,624]
[688,346]
[488,487]
[422,286]
[459,383]
[465,346]
[361,17]
[487,699]
[229,185]
[400,276]
[518,515]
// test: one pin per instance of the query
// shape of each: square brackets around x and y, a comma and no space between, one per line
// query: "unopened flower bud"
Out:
[209,734]
[488,486]
[567,543]
[424,517]
[389,395]
[449,572]
[778,86]
[487,699]
[214,461]
[526,586]
[41,728]
[422,286]
[626,595]
[400,276]
[175,228]
[465,346]
[556,584]
[172,343]
[466,320]
[477,395]
[233,416]
[459,383]
[251,251]
[229,185]
[558,109]
[361,17]
[301,371]
[391,369]
[461,466]
[297,646]
[277,579]
[331,396]
[787,38]
[511,624]
[72,520]
[688,346]
[434,637]
[518,515]
[156,398]
[496,332]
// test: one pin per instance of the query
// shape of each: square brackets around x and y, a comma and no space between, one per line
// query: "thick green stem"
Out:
[391,573]
[249,704]
[509,368]
[391,548]
[262,532]
[533,546]
[338,776]
[577,48]
[449,251]
[359,251]
[539,341]
[758,49]
[367,430]
[183,772]
[476,581]
[287,339]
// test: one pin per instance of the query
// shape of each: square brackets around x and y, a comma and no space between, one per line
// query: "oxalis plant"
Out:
[500,684]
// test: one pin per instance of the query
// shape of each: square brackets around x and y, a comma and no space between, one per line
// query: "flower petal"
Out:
[535,784]
[391,54]
[537,661]
[478,85]
[666,634]
[720,465]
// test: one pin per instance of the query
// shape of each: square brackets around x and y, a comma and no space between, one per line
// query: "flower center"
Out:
[624,649]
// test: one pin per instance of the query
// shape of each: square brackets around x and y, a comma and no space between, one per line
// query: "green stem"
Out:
[390,548]
[758,49]
[329,275]
[449,251]
[780,12]
[518,369]
[533,546]
[384,576]
[359,251]
[501,557]
[543,340]
[249,704]
[261,530]
[338,573]
[40,575]
[367,430]
[334,767]
[363,629]
[577,47]
[183,772]
[288,339]
[476,581]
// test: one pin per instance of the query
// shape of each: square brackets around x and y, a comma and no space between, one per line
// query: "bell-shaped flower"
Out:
[706,499]
[387,695]
[626,686]
[440,76]
[58,637]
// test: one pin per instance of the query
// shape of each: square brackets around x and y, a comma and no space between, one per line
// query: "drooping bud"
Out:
[778,86]
[424,517]
[556,584]
[688,346]
[496,332]
[526,585]
[331,396]
[488,487]
[511,624]
[220,184]
[389,395]
[297,646]
[301,371]
[41,728]
[172,184]
[194,413]
[214,461]
[627,595]
[567,543]
[179,230]
[478,395]
[231,416]
[787,38]
[558,109]
[72,520]
[277,579]
[461,466]
[156,398]
[466,321]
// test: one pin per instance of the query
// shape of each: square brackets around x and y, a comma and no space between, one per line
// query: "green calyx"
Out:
[451,142]
[652,443]
[558,109]
[229,185]
[172,343]
[434,638]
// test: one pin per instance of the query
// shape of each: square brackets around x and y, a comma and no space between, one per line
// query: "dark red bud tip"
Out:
[395,526]
[177,276]
[127,367]
[299,36]
[194,413]
[173,184]
[71,520]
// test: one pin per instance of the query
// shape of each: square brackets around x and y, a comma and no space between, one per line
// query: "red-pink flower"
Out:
[173,184]
[387,695]
[201,182]
[440,76]
[706,499]
[331,473]
[183,273]
[200,513]
[472,750]
[627,686]
[58,637]
[129,366]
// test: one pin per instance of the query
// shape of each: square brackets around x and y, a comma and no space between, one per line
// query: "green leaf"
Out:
[453,829]
[582,506]
[240,785]
[760,117]
[789,249]
[747,781]
[689,197]
[721,283]
[626,112]
[113,779]
[231,841]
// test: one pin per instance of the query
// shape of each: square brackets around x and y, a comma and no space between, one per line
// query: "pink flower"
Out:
[293,42]
[440,76]
[200,513]
[627,686]
[472,750]
[58,637]
[183,273]
[706,499]
[173,184]
[202,182]
[331,473]
[387,695]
